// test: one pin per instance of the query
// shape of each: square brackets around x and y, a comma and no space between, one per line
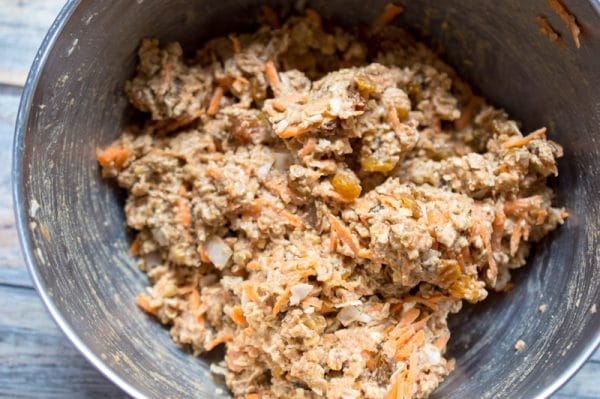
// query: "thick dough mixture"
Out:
[319,201]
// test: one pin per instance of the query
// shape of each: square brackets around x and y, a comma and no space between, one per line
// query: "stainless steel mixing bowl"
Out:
[73,102]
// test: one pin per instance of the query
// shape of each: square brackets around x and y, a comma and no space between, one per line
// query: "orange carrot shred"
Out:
[293,131]
[143,301]
[235,43]
[498,226]
[409,317]
[273,77]
[466,114]
[113,155]
[332,241]
[221,339]
[390,12]
[237,315]
[307,148]
[283,298]
[194,299]
[134,249]
[182,211]
[346,236]
[568,19]
[515,239]
[202,253]
[392,390]
[214,173]
[441,342]
[215,101]
[521,141]
[250,292]
[411,376]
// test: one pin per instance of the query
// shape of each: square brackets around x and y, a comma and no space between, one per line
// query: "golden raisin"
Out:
[402,113]
[364,85]
[415,92]
[465,287]
[410,203]
[372,164]
[449,271]
[346,184]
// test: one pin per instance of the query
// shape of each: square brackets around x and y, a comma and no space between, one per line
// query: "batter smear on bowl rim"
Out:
[319,200]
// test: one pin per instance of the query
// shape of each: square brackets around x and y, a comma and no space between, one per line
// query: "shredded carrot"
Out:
[283,298]
[215,101]
[484,232]
[332,241]
[279,187]
[402,335]
[235,43]
[411,377]
[409,347]
[44,232]
[568,19]
[498,226]
[250,292]
[522,204]
[392,390]
[273,77]
[202,253]
[431,302]
[254,266]
[515,239]
[134,249]
[194,299]
[521,141]
[410,316]
[221,339]
[402,385]
[214,173]
[370,360]
[466,114]
[314,16]
[293,131]
[292,219]
[394,121]
[143,301]
[308,148]
[541,216]
[441,342]
[237,315]
[271,17]
[114,154]
[390,12]
[252,396]
[548,30]
[182,210]
[346,236]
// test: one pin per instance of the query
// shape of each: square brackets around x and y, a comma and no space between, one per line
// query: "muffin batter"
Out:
[319,200]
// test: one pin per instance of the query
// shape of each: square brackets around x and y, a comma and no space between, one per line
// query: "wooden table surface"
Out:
[36,360]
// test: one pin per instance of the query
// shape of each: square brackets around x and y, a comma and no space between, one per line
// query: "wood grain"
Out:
[12,270]
[36,359]
[23,24]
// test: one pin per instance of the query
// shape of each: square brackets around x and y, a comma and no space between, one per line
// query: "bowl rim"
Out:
[18,196]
